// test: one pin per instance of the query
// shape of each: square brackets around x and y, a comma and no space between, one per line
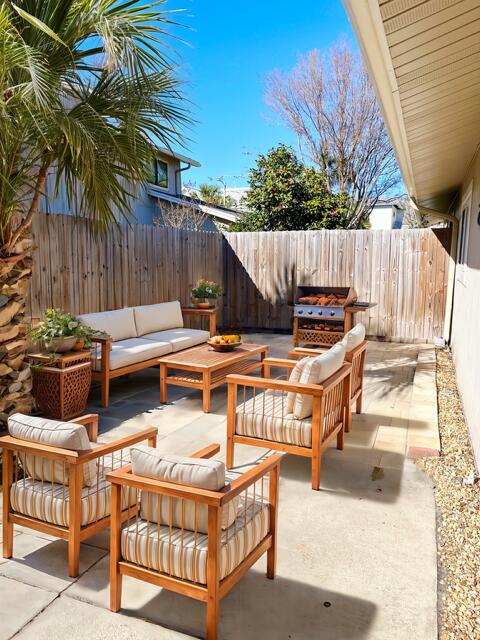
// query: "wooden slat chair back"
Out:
[55,500]
[204,564]
[308,437]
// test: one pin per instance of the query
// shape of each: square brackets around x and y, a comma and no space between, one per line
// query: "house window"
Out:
[160,174]
[463,234]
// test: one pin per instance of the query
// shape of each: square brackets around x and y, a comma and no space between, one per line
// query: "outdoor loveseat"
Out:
[138,337]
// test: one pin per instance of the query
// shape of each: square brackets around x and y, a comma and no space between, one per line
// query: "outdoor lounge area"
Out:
[239,336]
[375,508]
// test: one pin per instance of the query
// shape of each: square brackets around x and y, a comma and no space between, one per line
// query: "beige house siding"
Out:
[466,312]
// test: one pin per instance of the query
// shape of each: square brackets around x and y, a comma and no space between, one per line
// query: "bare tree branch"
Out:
[187,215]
[330,104]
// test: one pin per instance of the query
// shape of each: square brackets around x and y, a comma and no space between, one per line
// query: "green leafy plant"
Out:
[207,289]
[60,324]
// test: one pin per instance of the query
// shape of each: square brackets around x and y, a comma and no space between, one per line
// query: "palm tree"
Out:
[212,194]
[84,89]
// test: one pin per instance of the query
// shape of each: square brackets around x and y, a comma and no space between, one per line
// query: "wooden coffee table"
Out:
[205,369]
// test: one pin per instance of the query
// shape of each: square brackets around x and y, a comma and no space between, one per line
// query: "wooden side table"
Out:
[61,386]
[210,313]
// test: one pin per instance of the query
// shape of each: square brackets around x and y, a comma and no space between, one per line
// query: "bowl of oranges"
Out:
[225,342]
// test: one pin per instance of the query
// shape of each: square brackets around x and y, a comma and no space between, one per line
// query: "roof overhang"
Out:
[227,215]
[424,60]
[178,156]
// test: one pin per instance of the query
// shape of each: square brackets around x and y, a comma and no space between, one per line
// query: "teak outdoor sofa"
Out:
[54,479]
[300,415]
[198,531]
[139,336]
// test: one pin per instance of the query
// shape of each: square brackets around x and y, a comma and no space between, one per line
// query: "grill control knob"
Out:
[320,313]
[332,313]
[300,311]
[310,313]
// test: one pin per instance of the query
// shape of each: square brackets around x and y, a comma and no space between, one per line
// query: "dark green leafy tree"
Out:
[286,195]
[84,88]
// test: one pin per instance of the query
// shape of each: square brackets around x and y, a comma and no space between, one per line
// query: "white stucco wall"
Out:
[466,315]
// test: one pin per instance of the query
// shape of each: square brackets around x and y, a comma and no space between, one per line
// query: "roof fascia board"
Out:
[367,24]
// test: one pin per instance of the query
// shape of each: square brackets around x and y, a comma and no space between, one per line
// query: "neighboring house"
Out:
[163,190]
[238,195]
[423,59]
[386,215]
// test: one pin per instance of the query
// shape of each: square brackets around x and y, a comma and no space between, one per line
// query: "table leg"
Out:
[163,383]
[206,391]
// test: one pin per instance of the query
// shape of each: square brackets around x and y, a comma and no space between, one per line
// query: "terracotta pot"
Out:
[78,346]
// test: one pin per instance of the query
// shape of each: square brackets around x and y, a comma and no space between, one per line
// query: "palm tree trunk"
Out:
[15,376]
[15,272]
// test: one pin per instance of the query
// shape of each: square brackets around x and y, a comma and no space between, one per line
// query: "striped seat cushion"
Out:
[183,554]
[265,416]
[50,502]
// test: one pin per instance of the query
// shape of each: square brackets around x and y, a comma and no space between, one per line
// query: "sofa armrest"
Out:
[315,390]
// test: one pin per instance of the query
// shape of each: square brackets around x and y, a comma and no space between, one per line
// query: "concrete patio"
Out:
[356,560]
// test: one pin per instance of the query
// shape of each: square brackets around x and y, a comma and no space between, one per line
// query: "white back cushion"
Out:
[194,472]
[158,317]
[316,371]
[119,324]
[354,337]
[64,435]
[295,375]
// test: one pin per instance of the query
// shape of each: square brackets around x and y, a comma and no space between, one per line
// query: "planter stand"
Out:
[60,388]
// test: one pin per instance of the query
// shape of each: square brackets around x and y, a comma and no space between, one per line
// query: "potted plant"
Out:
[205,293]
[59,332]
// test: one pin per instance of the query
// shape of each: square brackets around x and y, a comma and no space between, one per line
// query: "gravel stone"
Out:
[458,510]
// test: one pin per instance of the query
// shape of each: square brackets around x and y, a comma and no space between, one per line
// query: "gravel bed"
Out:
[458,508]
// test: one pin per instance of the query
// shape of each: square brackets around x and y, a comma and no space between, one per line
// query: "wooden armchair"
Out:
[356,357]
[262,420]
[54,498]
[199,556]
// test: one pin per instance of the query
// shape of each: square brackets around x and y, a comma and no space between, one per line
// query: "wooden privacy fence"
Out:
[404,271]
[142,264]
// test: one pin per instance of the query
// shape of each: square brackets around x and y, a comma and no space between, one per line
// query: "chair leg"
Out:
[115,589]
[316,467]
[7,527]
[340,439]
[73,557]
[7,532]
[213,611]
[358,408]
[230,452]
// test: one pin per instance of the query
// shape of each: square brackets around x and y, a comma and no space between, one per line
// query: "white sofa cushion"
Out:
[127,352]
[182,338]
[158,317]
[194,472]
[119,324]
[64,435]
[184,553]
[264,417]
[316,371]
[354,337]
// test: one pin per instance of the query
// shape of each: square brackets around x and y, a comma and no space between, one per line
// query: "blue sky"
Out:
[233,45]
